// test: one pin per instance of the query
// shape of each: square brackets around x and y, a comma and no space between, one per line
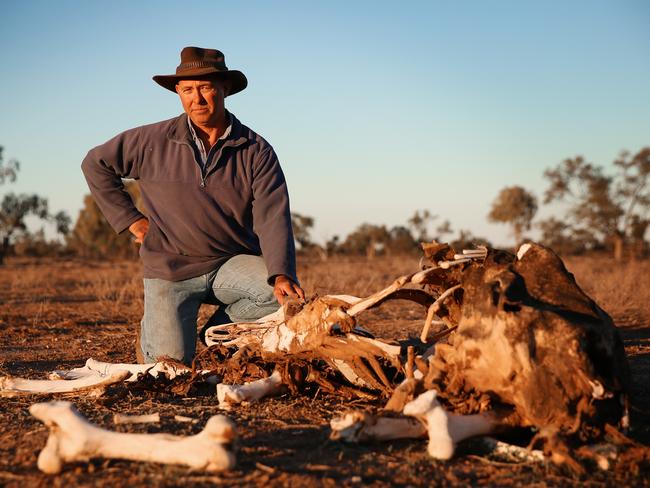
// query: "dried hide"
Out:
[528,337]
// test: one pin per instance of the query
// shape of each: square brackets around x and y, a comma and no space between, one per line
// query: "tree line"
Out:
[602,211]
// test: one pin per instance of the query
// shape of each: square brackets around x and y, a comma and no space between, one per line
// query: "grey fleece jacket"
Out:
[198,218]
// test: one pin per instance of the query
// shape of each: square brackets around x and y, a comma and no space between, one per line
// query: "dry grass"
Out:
[622,289]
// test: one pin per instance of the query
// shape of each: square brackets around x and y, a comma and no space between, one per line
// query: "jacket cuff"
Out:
[271,279]
[124,223]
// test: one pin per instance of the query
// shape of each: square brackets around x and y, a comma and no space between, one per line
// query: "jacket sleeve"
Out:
[272,216]
[104,167]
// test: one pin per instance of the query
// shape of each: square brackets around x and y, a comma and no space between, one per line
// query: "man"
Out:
[216,200]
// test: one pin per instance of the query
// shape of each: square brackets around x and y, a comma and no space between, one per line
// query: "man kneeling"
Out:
[218,228]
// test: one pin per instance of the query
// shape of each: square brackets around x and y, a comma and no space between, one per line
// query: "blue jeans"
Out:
[168,327]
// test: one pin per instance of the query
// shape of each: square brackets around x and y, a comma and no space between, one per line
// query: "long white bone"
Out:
[229,395]
[361,426]
[72,438]
[93,378]
[447,429]
[94,367]
[93,384]
[121,418]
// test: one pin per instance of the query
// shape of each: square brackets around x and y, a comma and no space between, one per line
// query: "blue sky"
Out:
[376,109]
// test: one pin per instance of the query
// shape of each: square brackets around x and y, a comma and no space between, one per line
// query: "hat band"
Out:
[199,64]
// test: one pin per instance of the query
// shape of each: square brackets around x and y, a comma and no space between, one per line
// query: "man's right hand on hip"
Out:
[139,229]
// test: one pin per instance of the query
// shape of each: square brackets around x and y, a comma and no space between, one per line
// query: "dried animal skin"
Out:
[531,338]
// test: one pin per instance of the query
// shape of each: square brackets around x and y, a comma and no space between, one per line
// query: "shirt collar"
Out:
[199,143]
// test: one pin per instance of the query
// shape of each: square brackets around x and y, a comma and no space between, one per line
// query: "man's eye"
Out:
[207,89]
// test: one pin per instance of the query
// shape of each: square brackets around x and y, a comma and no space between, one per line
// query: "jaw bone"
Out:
[72,438]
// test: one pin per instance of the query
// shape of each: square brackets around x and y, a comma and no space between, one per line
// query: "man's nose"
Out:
[197,97]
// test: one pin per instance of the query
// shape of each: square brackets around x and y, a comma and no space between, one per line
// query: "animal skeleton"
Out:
[525,347]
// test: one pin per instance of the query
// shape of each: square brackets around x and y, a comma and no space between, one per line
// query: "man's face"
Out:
[202,101]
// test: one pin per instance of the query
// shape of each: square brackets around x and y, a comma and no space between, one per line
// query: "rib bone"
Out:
[447,429]
[72,438]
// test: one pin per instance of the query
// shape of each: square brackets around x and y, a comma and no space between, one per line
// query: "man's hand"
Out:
[139,229]
[284,288]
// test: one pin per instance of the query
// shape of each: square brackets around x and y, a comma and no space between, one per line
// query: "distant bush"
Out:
[93,237]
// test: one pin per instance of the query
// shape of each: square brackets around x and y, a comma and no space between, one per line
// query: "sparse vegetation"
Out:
[15,209]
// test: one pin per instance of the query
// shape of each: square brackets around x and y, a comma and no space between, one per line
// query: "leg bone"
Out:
[360,426]
[72,438]
[447,429]
[229,395]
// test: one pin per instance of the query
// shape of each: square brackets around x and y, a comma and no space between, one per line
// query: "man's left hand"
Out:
[285,288]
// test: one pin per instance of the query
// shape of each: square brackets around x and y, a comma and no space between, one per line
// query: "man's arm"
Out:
[272,224]
[104,167]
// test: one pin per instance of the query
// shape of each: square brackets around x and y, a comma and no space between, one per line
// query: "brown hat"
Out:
[199,63]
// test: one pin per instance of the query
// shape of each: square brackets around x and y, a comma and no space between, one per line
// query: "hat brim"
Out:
[236,79]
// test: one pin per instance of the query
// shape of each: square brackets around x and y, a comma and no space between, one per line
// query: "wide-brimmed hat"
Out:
[198,63]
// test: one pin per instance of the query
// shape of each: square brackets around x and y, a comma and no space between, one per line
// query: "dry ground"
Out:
[56,314]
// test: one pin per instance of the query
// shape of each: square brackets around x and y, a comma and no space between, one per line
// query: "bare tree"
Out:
[8,171]
[302,226]
[419,224]
[515,206]
[14,210]
[443,229]
[92,235]
[599,204]
[368,239]
[563,239]
[466,240]
[401,240]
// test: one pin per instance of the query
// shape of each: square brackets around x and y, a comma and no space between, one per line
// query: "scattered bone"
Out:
[355,427]
[481,252]
[121,418]
[229,395]
[456,262]
[72,438]
[182,418]
[94,367]
[510,452]
[361,427]
[91,384]
[91,379]
[447,429]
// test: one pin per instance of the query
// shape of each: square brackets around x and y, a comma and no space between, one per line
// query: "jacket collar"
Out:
[179,132]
